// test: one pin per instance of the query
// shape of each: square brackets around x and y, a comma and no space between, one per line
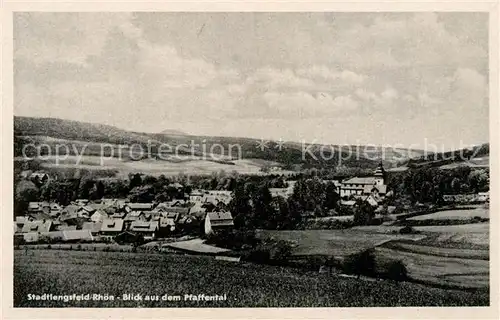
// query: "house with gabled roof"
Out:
[111,227]
[147,229]
[136,206]
[98,216]
[37,226]
[166,225]
[358,186]
[118,215]
[39,207]
[70,210]
[215,221]
[81,202]
[77,235]
[65,227]
[168,204]
[93,227]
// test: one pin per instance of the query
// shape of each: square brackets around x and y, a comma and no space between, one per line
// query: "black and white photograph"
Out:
[251,159]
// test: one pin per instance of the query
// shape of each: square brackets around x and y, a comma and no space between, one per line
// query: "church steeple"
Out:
[380,174]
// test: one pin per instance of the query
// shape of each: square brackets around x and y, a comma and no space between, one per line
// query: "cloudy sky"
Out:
[398,78]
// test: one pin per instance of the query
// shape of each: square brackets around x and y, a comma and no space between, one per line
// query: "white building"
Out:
[358,186]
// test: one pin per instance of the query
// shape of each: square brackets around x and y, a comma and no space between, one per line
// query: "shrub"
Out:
[271,252]
[397,271]
[280,251]
[79,247]
[49,246]
[362,263]
[407,230]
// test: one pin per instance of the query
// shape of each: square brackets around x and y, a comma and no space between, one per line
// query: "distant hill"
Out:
[288,154]
[174,132]
[476,157]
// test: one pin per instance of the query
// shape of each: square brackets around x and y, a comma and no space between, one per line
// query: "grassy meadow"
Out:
[245,284]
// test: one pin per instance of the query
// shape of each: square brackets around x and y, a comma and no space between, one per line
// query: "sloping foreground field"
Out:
[481,254]
[245,285]
[474,234]
[440,269]
[337,243]
[455,214]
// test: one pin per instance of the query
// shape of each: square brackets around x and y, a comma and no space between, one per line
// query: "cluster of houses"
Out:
[84,220]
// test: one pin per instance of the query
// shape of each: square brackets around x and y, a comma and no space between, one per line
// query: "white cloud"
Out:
[326,74]
[278,78]
[94,66]
[305,105]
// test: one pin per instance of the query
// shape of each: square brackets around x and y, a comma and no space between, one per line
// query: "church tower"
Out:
[380,175]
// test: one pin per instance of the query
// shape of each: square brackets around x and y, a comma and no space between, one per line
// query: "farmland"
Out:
[331,242]
[439,269]
[120,168]
[246,285]
[442,257]
[455,214]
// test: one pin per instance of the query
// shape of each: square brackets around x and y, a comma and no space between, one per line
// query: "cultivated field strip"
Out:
[441,270]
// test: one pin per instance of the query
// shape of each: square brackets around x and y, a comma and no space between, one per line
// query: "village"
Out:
[198,213]
[121,220]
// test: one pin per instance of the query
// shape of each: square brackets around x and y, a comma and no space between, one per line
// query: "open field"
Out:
[246,285]
[481,162]
[455,214]
[171,167]
[439,269]
[337,243]
[481,254]
[473,234]
[195,246]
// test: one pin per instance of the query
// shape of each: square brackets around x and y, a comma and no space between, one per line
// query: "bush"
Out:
[362,263]
[79,247]
[407,230]
[271,252]
[49,246]
[397,271]
[234,239]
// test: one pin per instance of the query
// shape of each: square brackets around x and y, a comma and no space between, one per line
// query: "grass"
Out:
[246,285]
[338,243]
[439,269]
[455,214]
[173,167]
[464,253]
[474,235]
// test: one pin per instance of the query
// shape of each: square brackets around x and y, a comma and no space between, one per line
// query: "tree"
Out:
[478,180]
[240,206]
[85,187]
[142,194]
[362,263]
[135,180]
[331,196]
[149,180]
[26,192]
[97,191]
[262,206]
[363,213]
[455,185]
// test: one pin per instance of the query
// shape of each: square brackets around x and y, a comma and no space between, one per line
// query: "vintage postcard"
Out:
[203,159]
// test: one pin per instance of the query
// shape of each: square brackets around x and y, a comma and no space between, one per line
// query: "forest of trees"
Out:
[428,185]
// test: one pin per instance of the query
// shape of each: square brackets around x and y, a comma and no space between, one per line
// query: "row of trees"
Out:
[428,185]
[255,207]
